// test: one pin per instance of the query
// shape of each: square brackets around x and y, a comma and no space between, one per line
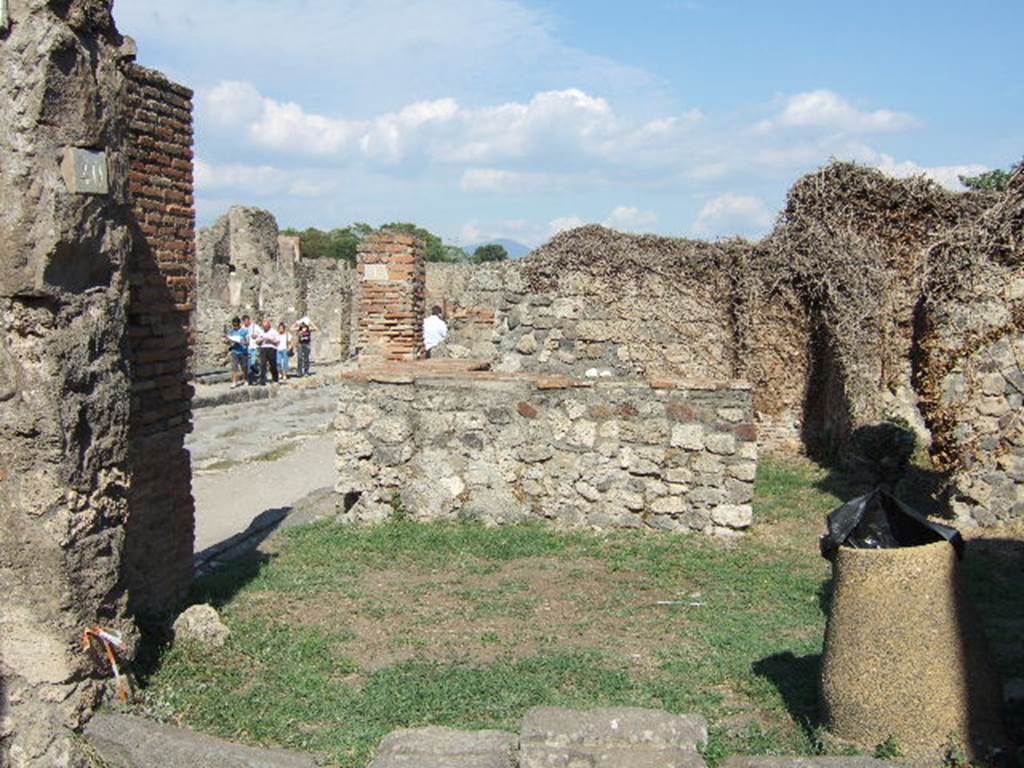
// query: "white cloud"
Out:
[827,109]
[563,223]
[231,103]
[257,180]
[377,55]
[947,176]
[569,129]
[732,214]
[630,219]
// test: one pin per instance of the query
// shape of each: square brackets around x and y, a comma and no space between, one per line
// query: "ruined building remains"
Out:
[244,266]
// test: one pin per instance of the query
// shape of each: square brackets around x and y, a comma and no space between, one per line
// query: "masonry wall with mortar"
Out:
[81,390]
[388,302]
[326,296]
[971,370]
[162,293]
[614,454]
[649,327]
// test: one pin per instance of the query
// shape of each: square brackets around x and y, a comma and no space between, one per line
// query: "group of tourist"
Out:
[256,348]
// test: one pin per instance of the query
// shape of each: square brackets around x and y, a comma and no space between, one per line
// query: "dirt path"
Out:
[253,457]
[226,502]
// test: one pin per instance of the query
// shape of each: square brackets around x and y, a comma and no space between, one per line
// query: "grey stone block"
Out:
[446,748]
[553,737]
[123,741]
[740,761]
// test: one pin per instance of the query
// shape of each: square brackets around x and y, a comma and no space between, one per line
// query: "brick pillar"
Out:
[389,298]
[159,531]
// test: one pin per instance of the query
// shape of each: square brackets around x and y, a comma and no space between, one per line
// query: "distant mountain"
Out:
[515,250]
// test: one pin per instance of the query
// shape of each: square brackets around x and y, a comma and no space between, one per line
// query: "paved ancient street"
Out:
[251,457]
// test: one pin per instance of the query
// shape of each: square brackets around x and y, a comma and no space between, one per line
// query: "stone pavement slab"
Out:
[446,748]
[627,737]
[123,741]
[738,761]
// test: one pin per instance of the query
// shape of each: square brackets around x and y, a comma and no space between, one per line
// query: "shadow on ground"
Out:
[796,680]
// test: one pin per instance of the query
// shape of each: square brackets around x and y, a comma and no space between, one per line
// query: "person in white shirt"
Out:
[435,330]
[284,344]
[255,334]
[268,352]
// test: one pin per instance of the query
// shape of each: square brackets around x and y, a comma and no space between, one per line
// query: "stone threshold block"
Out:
[446,748]
[122,741]
[554,737]
[805,762]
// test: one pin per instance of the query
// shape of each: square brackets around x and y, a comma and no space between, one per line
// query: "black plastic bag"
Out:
[881,521]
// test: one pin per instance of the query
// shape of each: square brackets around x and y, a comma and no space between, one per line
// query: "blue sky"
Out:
[482,119]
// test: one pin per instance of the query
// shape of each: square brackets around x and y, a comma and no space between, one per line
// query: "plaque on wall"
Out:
[376,273]
[85,171]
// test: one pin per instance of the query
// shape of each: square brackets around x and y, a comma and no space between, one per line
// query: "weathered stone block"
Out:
[610,738]
[722,444]
[123,741]
[688,436]
[201,624]
[735,516]
[446,748]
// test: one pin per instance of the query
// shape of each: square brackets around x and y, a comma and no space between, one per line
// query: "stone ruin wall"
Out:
[652,327]
[501,449]
[84,393]
[244,266]
[971,370]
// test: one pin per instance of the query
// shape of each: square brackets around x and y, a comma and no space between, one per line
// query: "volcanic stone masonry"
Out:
[95,297]
[389,297]
[667,455]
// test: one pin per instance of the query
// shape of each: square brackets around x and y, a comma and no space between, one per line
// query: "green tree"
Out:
[990,181]
[339,243]
[453,254]
[491,252]
[434,246]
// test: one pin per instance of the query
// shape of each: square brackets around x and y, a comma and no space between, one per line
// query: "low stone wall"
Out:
[677,456]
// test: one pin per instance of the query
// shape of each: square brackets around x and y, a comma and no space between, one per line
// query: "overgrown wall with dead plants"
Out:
[971,370]
[873,300]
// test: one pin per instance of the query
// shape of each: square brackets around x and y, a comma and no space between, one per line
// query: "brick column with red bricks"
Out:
[389,298]
[162,291]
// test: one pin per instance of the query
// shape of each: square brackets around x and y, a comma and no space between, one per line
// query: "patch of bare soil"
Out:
[479,612]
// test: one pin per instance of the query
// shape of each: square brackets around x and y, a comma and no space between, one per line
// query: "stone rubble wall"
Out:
[162,294]
[972,370]
[65,386]
[575,330]
[612,454]
[326,296]
[388,305]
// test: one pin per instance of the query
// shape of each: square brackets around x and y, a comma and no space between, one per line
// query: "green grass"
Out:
[746,657]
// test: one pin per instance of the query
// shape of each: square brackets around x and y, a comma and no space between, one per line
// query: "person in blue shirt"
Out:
[238,338]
